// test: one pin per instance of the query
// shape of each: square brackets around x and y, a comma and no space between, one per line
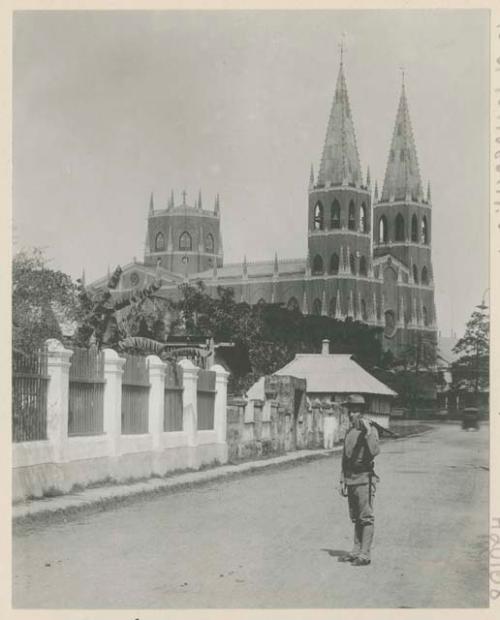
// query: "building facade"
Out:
[369,255]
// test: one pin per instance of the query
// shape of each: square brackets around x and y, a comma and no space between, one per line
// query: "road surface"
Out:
[272,539]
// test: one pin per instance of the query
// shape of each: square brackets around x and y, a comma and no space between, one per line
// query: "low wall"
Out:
[61,462]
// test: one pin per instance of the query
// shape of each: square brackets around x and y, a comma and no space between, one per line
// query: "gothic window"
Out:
[352,263]
[293,304]
[362,266]
[425,276]
[261,302]
[414,228]
[209,243]
[159,242]
[316,308]
[425,315]
[332,306]
[334,263]
[335,214]
[318,216]
[362,218]
[185,242]
[352,216]
[423,235]
[415,274]
[317,264]
[382,230]
[390,324]
[364,314]
[399,234]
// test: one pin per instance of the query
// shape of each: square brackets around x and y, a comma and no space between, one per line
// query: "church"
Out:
[369,253]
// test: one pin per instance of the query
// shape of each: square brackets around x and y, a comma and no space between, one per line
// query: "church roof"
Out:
[340,160]
[402,176]
[334,374]
[255,269]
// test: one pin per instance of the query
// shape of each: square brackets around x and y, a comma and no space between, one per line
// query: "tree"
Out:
[42,300]
[470,371]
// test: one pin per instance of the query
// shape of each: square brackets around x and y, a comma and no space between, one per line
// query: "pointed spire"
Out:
[82,279]
[428,191]
[375,197]
[171,201]
[311,178]
[402,176]
[199,199]
[217,205]
[151,204]
[340,160]
[368,178]
[276,266]
[245,267]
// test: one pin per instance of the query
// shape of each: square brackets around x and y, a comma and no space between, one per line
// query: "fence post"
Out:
[58,363]
[190,400]
[220,410]
[112,423]
[156,404]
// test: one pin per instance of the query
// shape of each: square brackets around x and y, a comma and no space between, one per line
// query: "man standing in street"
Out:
[361,446]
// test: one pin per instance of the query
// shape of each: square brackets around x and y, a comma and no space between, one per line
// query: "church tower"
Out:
[184,238]
[339,216]
[402,237]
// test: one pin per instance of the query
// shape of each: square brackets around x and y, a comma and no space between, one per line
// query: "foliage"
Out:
[42,299]
[471,370]
[270,334]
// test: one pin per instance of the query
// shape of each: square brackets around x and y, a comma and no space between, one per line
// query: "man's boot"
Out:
[349,557]
[366,542]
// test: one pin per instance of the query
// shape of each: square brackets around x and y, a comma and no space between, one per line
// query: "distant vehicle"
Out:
[470,418]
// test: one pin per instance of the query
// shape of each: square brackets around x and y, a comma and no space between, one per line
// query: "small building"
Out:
[335,377]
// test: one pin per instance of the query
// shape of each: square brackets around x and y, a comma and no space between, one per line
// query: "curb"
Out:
[101,497]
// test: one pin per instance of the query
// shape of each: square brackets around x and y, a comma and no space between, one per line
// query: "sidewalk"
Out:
[102,496]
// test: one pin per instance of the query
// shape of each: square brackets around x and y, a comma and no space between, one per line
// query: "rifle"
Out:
[383,430]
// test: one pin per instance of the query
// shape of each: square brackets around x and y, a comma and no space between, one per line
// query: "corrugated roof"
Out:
[334,373]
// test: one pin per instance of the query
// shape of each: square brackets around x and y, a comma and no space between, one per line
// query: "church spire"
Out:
[402,176]
[311,178]
[340,161]
[151,204]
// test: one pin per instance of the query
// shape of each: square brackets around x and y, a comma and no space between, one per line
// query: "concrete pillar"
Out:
[190,401]
[156,403]
[113,371]
[220,410]
[58,363]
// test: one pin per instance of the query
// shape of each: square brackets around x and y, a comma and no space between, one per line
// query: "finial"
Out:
[199,199]
[402,69]
[368,178]
[171,203]
[217,205]
[376,192]
[245,268]
[184,194]
[428,191]
[276,262]
[151,203]
[341,46]
[311,178]
[82,279]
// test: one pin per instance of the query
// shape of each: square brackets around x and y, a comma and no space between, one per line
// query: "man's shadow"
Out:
[336,553]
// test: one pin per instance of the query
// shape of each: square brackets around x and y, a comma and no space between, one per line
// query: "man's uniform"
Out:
[360,448]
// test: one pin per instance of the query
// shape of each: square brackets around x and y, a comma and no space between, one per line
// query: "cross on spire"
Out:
[342,48]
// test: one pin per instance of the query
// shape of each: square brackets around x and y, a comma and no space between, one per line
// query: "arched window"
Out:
[293,304]
[423,235]
[209,243]
[318,216]
[415,274]
[159,242]
[261,302]
[414,228]
[425,315]
[399,233]
[185,242]
[364,314]
[425,276]
[334,263]
[352,216]
[352,263]
[362,266]
[382,230]
[362,218]
[331,307]
[317,264]
[335,214]
[316,309]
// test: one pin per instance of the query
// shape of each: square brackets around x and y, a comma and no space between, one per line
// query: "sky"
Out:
[111,106]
